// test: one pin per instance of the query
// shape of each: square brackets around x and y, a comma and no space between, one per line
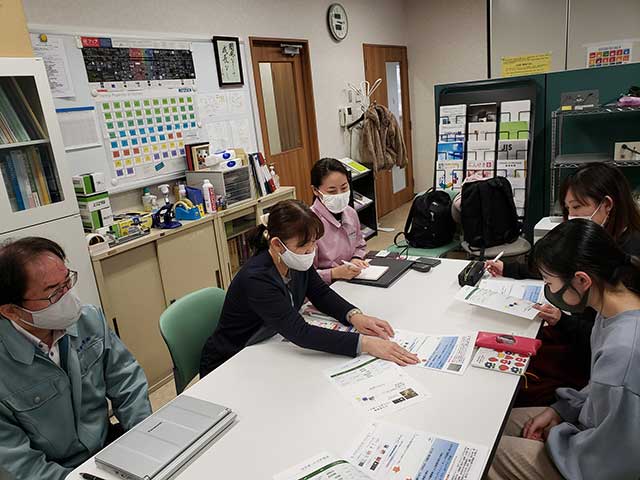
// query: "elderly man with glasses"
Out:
[60,365]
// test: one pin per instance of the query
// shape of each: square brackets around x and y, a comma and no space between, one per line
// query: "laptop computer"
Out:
[160,445]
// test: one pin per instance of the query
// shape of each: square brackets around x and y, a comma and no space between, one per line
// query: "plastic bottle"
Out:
[209,196]
[148,200]
[182,192]
[275,176]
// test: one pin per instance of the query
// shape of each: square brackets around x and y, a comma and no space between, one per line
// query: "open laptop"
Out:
[160,445]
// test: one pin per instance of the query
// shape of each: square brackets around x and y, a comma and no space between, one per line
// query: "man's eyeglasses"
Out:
[64,287]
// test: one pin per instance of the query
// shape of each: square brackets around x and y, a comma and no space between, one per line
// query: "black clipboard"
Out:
[397,268]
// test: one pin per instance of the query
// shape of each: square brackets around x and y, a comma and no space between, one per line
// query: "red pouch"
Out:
[508,343]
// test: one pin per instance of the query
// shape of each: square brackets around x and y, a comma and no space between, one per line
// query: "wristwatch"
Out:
[352,312]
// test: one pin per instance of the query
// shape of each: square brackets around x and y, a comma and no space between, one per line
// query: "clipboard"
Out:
[397,268]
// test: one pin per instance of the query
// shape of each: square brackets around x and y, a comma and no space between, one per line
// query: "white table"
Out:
[288,411]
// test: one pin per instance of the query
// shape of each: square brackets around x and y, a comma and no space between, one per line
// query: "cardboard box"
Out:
[92,220]
[91,203]
[89,183]
[127,223]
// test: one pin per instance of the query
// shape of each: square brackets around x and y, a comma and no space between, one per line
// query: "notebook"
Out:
[373,272]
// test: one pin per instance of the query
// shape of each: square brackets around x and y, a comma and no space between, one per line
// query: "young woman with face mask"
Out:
[590,433]
[600,193]
[265,298]
[342,240]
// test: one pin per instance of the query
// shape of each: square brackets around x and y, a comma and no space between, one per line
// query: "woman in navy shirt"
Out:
[266,295]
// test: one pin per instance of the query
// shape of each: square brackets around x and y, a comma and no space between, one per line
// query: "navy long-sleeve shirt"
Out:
[259,297]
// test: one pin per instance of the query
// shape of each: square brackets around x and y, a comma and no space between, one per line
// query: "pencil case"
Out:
[508,343]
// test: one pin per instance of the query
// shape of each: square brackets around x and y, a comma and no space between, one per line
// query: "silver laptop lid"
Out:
[155,442]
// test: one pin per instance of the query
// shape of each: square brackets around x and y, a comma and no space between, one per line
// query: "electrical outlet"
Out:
[626,151]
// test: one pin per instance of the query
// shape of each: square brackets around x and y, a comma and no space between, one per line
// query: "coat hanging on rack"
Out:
[382,144]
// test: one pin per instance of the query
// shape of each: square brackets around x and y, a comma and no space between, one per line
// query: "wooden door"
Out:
[394,187]
[189,261]
[287,115]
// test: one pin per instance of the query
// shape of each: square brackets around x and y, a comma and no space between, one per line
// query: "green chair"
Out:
[185,327]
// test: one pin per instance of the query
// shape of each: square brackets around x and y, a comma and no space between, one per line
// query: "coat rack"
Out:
[365,92]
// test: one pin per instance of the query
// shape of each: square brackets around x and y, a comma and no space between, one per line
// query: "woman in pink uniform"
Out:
[342,240]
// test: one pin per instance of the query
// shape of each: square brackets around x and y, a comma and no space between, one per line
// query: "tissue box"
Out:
[89,183]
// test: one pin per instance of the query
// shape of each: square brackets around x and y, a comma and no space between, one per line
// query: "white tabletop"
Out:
[288,411]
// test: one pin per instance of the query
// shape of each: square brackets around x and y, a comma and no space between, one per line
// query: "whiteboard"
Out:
[98,159]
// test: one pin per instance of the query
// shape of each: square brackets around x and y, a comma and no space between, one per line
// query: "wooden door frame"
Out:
[307,78]
[406,113]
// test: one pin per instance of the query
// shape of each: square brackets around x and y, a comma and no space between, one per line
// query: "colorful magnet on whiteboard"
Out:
[116,154]
[174,153]
[124,143]
[131,171]
[134,141]
[122,133]
[119,172]
[161,128]
[159,166]
[185,126]
[182,152]
[165,155]
[156,156]
[178,134]
[169,127]
[144,140]
[136,151]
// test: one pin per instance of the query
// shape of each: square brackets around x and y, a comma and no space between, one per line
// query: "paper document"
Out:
[79,127]
[392,452]
[372,272]
[445,353]
[376,385]
[322,467]
[503,362]
[55,61]
[483,297]
[532,290]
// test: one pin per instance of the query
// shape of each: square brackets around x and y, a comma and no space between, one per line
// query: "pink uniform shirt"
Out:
[342,240]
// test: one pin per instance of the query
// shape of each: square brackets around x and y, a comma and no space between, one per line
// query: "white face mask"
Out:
[297,261]
[336,203]
[589,217]
[60,315]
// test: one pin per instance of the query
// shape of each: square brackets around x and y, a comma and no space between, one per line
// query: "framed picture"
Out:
[227,52]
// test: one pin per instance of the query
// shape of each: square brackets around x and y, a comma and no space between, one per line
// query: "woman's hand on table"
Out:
[387,350]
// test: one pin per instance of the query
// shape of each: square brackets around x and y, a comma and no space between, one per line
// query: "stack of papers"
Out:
[502,362]
[390,452]
[376,386]
[372,272]
[451,137]
[512,164]
[497,301]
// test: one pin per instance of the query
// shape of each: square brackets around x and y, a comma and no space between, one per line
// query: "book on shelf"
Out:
[360,201]
[261,173]
[18,122]
[356,167]
[30,182]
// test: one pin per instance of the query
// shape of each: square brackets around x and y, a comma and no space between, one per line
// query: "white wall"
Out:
[333,64]
[447,43]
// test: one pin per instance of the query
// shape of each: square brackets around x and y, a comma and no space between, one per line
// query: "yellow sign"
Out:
[526,64]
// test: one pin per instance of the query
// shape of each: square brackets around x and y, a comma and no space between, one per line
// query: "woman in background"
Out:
[342,240]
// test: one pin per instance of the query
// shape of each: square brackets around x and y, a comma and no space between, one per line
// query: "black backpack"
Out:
[429,223]
[489,215]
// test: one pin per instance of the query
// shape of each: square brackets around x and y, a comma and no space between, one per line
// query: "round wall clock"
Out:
[338,21]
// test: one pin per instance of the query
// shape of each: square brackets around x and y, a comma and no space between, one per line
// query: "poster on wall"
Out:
[526,64]
[607,54]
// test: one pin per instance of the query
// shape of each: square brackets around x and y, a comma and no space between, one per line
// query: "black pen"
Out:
[88,476]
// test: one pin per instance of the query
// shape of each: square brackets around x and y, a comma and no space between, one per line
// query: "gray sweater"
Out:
[600,438]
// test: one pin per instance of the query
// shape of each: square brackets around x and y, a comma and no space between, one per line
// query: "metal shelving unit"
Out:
[560,161]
